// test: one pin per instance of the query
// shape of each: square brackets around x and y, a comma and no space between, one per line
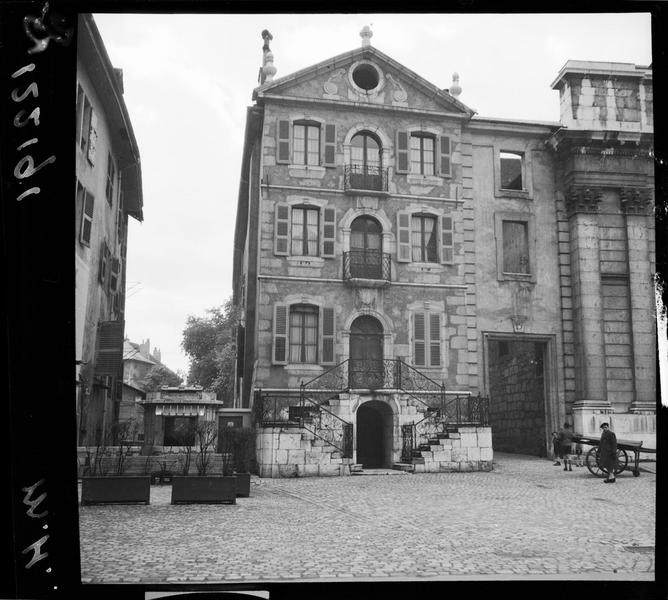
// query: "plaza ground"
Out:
[525,519]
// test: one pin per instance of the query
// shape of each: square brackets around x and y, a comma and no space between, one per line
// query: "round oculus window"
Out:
[366,76]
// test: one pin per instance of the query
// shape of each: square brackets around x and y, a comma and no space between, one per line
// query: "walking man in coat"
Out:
[607,449]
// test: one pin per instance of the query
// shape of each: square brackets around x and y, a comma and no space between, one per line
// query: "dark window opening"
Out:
[511,171]
[180,431]
[366,77]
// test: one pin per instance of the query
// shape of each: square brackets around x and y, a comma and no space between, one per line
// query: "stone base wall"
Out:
[291,452]
[466,449]
[627,426]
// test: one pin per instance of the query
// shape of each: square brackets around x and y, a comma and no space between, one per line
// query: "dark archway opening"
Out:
[517,389]
[374,435]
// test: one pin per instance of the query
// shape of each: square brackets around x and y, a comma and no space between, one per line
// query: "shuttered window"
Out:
[515,247]
[103,271]
[328,232]
[84,124]
[109,353]
[403,236]
[424,238]
[444,156]
[92,138]
[305,230]
[447,244]
[87,203]
[114,275]
[111,180]
[306,143]
[402,152]
[303,333]
[280,349]
[283,142]
[427,339]
[330,145]
[422,154]
[328,333]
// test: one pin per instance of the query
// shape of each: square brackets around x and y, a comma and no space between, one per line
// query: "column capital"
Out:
[636,201]
[582,198]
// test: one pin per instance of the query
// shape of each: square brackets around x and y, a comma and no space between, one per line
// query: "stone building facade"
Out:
[410,274]
[108,192]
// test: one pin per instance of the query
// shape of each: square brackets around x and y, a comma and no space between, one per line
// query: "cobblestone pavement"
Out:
[508,523]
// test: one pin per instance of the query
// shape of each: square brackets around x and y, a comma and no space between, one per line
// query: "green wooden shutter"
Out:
[328,232]
[402,152]
[444,156]
[283,142]
[280,343]
[328,334]
[330,145]
[281,229]
[419,352]
[434,339]
[403,236]
[447,245]
[109,355]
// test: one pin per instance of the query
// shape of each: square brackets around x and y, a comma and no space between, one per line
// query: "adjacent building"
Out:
[405,268]
[108,192]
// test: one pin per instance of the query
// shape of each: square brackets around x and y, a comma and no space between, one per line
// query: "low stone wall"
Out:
[626,426]
[292,452]
[464,449]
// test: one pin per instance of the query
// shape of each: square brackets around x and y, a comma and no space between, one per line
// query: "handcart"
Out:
[592,457]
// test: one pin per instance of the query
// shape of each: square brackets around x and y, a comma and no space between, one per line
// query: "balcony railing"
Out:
[360,177]
[366,264]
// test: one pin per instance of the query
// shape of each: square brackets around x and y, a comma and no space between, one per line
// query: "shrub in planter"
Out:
[99,486]
[242,449]
[204,487]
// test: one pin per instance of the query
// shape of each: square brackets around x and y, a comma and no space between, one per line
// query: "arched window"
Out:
[365,256]
[365,162]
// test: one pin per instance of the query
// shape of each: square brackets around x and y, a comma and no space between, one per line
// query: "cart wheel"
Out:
[622,461]
[591,460]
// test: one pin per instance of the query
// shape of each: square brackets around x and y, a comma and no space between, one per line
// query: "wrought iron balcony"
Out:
[364,178]
[366,264]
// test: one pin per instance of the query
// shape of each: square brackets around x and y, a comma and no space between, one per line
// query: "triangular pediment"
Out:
[364,75]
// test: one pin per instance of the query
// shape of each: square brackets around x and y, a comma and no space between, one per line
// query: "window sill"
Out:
[422,267]
[524,194]
[305,261]
[296,368]
[370,283]
[306,171]
[426,180]
[528,277]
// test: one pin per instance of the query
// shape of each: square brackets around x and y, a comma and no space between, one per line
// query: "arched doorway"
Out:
[366,247]
[366,353]
[374,435]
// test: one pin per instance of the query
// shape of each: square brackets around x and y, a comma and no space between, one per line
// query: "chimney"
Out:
[145,347]
[267,70]
[156,355]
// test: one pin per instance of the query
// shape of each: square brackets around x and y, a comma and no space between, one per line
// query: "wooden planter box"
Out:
[243,484]
[207,489]
[118,489]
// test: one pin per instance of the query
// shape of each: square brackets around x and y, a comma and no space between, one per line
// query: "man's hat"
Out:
[604,425]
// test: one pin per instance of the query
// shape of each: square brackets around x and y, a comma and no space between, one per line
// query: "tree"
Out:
[210,344]
[158,376]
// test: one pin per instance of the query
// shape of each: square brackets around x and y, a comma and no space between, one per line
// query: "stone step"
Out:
[407,467]
[356,468]
[380,472]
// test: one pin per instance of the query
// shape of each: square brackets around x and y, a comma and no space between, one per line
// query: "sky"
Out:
[189,78]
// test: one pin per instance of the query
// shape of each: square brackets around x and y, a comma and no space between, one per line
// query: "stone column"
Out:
[590,376]
[636,205]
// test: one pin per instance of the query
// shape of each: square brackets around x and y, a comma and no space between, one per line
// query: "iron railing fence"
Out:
[367,178]
[367,264]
